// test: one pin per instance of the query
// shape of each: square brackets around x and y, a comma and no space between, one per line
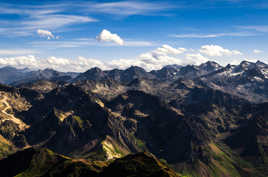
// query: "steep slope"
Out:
[78,123]
[251,139]
[71,121]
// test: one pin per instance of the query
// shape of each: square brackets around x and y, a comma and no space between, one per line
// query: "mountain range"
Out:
[195,121]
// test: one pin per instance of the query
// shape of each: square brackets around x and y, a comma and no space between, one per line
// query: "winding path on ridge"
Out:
[20,123]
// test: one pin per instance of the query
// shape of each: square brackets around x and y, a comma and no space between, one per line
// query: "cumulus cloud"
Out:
[217,51]
[107,36]
[45,33]
[256,51]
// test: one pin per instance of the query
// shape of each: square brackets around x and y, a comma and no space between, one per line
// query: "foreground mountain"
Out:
[45,163]
[79,123]
[188,117]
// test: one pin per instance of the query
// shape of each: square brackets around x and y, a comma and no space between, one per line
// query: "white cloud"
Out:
[196,59]
[61,64]
[107,36]
[256,51]
[20,61]
[167,50]
[217,51]
[45,33]
[151,60]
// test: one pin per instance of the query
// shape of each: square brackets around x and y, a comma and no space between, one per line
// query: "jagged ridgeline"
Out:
[194,121]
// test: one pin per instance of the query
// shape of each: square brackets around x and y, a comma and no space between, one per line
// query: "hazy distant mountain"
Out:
[10,75]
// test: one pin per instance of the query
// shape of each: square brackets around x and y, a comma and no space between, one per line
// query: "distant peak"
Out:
[94,69]
[49,70]
[213,63]
[259,63]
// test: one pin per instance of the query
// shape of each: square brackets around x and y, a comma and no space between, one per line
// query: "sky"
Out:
[78,35]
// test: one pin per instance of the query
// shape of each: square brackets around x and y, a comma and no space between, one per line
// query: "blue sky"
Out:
[77,35]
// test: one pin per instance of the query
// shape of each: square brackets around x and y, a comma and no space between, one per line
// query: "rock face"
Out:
[205,121]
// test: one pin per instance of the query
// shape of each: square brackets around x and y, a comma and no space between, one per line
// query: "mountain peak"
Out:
[174,66]
[210,66]
[261,64]
[135,68]
[94,69]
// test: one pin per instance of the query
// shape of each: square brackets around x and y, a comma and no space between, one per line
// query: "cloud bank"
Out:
[151,60]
